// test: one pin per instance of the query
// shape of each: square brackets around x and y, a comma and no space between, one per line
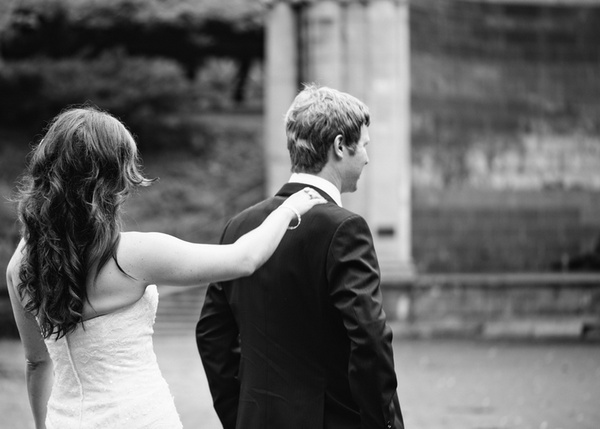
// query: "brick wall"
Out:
[505,134]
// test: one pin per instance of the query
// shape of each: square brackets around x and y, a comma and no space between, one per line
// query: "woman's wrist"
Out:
[295,213]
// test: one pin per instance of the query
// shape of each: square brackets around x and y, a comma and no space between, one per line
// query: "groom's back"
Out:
[294,346]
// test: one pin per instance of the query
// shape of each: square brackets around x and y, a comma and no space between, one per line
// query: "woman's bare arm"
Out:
[38,369]
[156,258]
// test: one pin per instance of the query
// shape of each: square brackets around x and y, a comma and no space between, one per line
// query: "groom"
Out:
[303,342]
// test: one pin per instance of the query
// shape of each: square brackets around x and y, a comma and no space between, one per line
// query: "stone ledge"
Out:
[574,328]
[513,279]
[497,305]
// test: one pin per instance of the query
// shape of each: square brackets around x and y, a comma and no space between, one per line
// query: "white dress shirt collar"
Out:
[323,184]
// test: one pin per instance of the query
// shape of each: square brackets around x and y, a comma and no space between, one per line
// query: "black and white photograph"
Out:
[300,214]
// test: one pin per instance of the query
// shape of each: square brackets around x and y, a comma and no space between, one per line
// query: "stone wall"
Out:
[505,134]
[475,230]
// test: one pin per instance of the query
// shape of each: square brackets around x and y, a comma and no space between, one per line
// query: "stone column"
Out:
[281,86]
[360,47]
[388,99]
[323,43]
[355,76]
[404,223]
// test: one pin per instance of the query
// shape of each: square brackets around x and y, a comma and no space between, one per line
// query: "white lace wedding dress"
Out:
[106,375]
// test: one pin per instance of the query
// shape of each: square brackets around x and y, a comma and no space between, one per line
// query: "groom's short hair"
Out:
[317,115]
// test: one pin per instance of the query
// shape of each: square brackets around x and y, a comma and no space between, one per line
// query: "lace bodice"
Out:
[106,374]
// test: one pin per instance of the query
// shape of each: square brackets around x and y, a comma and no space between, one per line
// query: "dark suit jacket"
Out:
[303,342]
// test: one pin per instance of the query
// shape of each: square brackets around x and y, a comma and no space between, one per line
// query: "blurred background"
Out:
[499,172]
[184,76]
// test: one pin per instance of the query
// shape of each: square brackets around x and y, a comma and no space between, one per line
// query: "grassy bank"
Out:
[197,192]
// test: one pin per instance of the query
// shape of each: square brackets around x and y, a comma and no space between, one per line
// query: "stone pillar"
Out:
[388,99]
[323,43]
[281,86]
[356,82]
[404,223]
[360,47]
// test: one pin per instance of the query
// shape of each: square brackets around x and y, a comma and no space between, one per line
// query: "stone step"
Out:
[533,327]
[493,305]
[175,329]
[178,309]
[517,305]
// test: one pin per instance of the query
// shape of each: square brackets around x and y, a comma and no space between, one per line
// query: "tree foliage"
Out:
[136,58]
[185,31]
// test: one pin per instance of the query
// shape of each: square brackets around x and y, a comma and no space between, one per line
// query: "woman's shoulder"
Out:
[137,236]
[134,235]
[137,242]
[14,265]
[139,252]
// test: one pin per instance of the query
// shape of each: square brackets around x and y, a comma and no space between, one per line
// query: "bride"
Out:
[82,290]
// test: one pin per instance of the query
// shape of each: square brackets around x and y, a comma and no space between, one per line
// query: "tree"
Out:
[188,33]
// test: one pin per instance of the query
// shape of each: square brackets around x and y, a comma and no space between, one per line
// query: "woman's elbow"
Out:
[36,364]
[248,266]
[247,258]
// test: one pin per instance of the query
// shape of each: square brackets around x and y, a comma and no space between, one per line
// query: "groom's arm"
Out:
[217,338]
[353,275]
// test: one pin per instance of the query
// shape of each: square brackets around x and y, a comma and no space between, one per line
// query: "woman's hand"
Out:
[304,200]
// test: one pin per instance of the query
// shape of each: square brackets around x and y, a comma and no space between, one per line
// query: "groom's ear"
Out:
[338,147]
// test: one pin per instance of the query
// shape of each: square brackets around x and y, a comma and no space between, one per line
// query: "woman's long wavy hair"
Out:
[69,208]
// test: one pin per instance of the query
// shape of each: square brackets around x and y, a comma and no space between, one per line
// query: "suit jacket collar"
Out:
[293,187]
[319,183]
